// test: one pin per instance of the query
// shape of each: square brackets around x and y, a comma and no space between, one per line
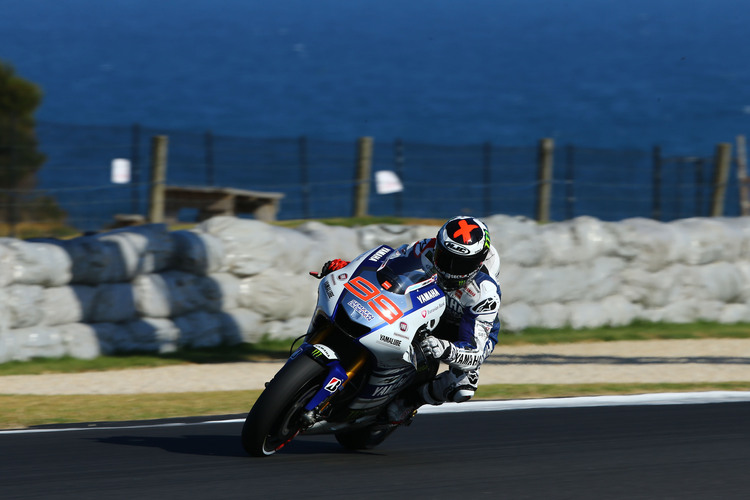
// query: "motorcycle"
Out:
[361,351]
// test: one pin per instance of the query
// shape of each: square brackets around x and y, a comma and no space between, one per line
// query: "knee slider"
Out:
[462,394]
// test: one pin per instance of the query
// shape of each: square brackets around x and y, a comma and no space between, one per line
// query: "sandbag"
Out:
[221,292]
[241,325]
[112,337]
[250,246]
[138,249]
[197,252]
[36,342]
[34,263]
[24,305]
[286,329]
[199,329]
[171,293]
[279,296]
[68,304]
[80,340]
[518,316]
[153,335]
[113,303]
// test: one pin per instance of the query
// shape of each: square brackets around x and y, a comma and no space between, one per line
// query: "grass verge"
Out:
[21,411]
[26,410]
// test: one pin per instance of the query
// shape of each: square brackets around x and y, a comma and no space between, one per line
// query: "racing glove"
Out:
[329,267]
[437,348]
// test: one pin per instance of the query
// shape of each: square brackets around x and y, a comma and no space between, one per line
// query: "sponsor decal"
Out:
[456,248]
[333,384]
[403,326]
[379,254]
[382,305]
[464,230]
[424,313]
[329,290]
[362,310]
[489,304]
[390,341]
[342,276]
[322,350]
[428,295]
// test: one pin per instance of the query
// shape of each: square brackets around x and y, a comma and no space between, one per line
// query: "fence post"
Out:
[570,195]
[208,142]
[135,168]
[546,153]
[742,176]
[487,177]
[722,159]
[159,145]
[656,181]
[304,175]
[398,161]
[362,176]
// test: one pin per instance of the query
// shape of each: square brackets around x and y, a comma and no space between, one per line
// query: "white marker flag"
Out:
[120,171]
[387,182]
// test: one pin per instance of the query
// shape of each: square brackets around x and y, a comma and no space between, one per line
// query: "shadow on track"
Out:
[226,446]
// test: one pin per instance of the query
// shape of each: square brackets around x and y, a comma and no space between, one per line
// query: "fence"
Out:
[321,178]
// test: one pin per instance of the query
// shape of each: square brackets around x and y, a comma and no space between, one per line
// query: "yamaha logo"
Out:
[456,248]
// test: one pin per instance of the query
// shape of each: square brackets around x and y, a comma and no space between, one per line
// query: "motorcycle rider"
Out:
[467,266]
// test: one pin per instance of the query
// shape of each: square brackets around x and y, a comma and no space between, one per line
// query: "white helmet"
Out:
[462,245]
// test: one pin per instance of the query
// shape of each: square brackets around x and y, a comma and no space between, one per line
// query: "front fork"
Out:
[336,378]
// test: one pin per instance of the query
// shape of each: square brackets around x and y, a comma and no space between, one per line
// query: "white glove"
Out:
[437,348]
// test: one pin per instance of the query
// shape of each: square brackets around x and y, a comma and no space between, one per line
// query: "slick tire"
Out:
[274,419]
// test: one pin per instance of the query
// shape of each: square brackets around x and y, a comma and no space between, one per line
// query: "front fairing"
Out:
[384,310]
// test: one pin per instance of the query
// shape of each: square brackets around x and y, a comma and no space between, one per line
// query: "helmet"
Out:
[462,245]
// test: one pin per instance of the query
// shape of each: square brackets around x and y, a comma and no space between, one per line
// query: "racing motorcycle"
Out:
[360,352]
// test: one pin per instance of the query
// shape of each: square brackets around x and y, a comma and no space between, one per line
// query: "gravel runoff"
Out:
[710,360]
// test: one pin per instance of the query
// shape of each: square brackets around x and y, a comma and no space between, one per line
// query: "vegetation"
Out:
[280,349]
[19,156]
[25,411]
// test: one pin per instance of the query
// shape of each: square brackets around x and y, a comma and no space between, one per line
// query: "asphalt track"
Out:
[685,451]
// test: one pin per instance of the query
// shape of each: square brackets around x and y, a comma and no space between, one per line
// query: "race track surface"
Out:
[699,451]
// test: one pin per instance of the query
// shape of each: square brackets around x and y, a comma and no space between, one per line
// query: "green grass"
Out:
[279,349]
[636,331]
[26,410]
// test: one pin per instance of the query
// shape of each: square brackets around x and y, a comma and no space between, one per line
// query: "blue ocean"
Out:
[597,73]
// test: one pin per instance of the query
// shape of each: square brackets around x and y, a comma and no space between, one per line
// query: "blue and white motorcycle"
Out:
[360,352]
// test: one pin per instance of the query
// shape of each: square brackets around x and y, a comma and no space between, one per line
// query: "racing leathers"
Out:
[467,331]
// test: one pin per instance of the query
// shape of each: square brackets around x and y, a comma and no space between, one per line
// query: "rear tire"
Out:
[274,419]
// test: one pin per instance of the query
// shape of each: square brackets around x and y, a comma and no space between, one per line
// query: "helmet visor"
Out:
[454,265]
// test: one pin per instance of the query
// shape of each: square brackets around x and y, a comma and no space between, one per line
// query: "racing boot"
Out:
[404,407]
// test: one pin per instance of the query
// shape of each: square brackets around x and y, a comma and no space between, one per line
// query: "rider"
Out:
[466,265]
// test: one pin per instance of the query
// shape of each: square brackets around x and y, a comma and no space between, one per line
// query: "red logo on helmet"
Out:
[465,230]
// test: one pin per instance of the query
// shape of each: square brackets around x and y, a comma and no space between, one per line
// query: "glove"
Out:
[437,348]
[329,267]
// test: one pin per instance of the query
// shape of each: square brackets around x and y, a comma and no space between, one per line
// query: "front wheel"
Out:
[275,418]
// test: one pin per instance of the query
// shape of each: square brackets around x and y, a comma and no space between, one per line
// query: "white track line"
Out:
[673,398]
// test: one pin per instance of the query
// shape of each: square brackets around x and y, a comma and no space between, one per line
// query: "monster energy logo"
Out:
[486,238]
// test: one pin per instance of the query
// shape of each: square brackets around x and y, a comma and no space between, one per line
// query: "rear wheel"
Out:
[275,417]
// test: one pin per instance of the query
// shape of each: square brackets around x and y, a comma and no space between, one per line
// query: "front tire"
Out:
[274,419]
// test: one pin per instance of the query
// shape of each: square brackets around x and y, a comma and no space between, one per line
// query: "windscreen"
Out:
[399,273]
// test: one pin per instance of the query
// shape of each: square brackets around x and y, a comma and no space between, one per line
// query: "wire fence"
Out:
[317,177]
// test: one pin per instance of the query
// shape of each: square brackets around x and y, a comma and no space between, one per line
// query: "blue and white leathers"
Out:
[470,322]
